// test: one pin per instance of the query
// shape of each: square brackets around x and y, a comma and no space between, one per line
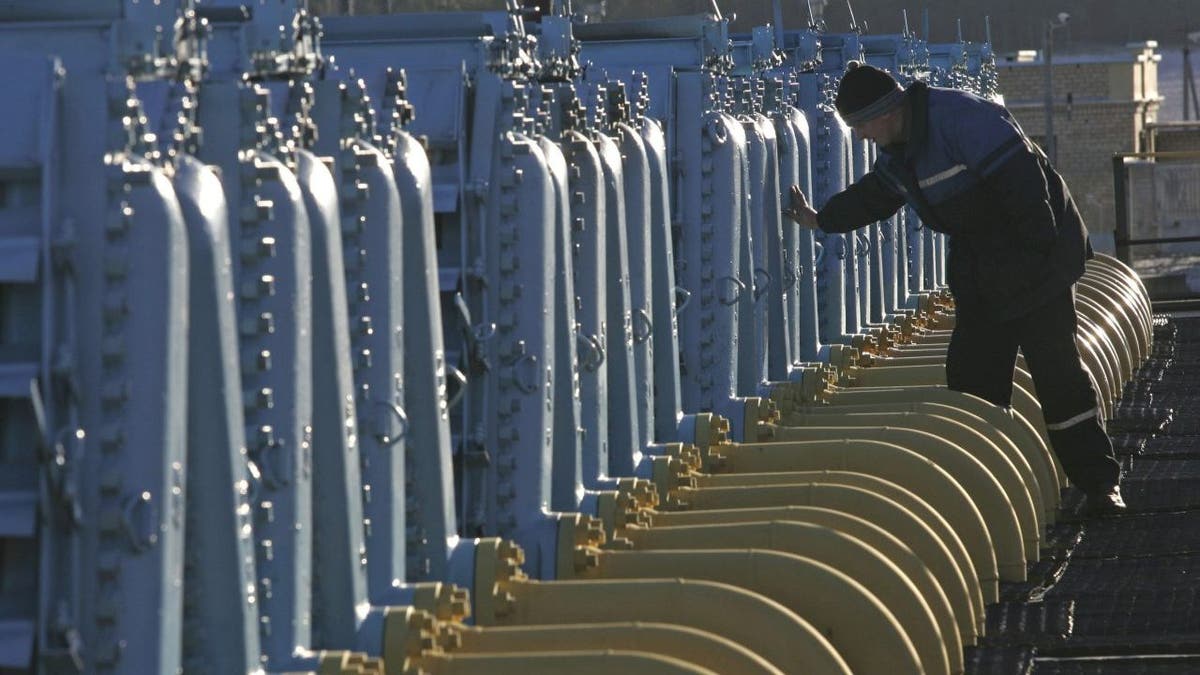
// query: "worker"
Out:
[1016,246]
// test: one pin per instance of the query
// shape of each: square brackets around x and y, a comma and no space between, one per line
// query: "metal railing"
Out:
[1165,290]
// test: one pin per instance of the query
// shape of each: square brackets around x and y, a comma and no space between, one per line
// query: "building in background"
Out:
[1103,104]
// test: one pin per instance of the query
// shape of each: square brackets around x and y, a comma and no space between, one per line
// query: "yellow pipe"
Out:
[595,662]
[891,463]
[811,494]
[920,349]
[1088,306]
[1030,441]
[857,624]
[1027,407]
[912,376]
[504,597]
[414,639]
[895,532]
[1104,358]
[1010,509]
[1099,281]
[984,442]
[1116,285]
[1140,300]
[1101,291]
[909,376]
[1104,263]
[348,663]
[1111,323]
[1132,294]
[680,642]
[910,359]
[927,623]
[776,488]
[1125,291]
[1090,357]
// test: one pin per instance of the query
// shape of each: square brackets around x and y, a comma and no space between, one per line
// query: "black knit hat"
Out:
[865,93]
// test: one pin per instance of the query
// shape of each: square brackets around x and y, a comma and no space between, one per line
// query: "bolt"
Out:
[505,604]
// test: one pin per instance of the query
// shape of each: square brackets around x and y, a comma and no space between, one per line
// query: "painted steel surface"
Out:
[299,317]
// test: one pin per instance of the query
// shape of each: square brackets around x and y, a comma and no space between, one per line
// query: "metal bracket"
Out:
[737,286]
[683,298]
[526,373]
[590,344]
[459,377]
[139,521]
[382,427]
[646,326]
[760,289]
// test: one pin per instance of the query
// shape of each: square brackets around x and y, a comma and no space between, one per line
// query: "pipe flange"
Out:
[497,566]
[409,635]
[349,663]
[639,493]
[446,602]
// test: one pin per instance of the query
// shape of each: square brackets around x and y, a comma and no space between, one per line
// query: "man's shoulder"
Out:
[953,101]
[971,119]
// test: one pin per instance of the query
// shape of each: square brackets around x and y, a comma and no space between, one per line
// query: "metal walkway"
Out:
[1121,595]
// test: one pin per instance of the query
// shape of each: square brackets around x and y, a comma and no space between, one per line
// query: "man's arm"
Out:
[867,201]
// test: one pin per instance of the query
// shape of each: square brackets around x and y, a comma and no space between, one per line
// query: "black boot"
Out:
[1105,503]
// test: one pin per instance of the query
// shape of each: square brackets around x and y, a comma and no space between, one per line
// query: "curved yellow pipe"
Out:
[594,662]
[1111,322]
[1026,407]
[1124,291]
[1103,357]
[1103,263]
[812,493]
[986,443]
[891,463]
[775,488]
[504,597]
[889,528]
[1029,440]
[1109,289]
[857,624]
[1003,497]
[919,376]
[1129,293]
[681,642]
[1099,281]
[1089,356]
[915,376]
[1103,293]
[899,376]
[927,623]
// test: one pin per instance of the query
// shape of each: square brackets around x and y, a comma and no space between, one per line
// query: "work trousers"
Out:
[980,361]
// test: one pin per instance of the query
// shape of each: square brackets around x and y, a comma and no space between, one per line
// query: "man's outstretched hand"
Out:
[800,211]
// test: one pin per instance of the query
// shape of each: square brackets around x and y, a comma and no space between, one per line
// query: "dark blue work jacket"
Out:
[1015,235]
